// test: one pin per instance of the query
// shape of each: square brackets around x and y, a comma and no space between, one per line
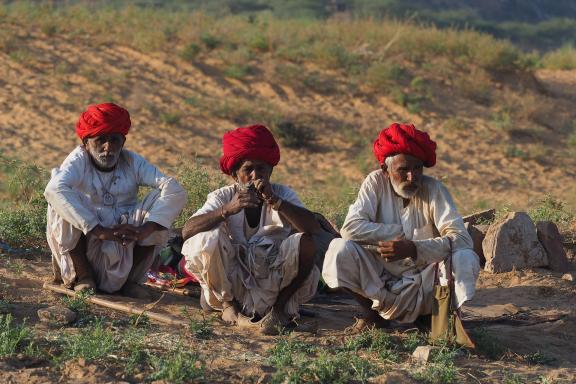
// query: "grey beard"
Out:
[398,188]
[104,161]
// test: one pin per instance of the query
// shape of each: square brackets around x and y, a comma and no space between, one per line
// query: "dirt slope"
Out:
[180,110]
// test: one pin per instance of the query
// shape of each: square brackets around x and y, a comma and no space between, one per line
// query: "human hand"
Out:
[397,249]
[242,199]
[264,189]
[147,229]
[123,233]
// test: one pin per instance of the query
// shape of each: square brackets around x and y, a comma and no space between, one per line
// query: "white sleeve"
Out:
[214,201]
[360,224]
[450,226]
[62,193]
[172,196]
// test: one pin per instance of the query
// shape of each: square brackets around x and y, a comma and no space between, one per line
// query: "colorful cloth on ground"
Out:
[401,290]
[406,139]
[76,204]
[254,142]
[100,119]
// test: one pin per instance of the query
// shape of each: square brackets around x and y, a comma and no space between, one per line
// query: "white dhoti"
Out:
[397,293]
[253,273]
[111,262]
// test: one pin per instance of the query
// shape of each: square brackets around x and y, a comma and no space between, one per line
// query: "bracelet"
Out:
[222,212]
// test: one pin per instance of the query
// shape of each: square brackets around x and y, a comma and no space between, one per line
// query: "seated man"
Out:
[400,226]
[99,234]
[251,245]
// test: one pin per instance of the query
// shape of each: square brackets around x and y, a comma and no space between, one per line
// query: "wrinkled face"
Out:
[405,174]
[251,170]
[105,149]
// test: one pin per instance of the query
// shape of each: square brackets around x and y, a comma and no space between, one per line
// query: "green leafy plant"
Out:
[13,337]
[178,366]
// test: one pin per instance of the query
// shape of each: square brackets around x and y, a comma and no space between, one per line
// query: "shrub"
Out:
[93,343]
[190,52]
[178,366]
[551,209]
[562,58]
[12,337]
[294,135]
[198,181]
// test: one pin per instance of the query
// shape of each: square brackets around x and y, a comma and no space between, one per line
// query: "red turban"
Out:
[406,139]
[101,119]
[254,142]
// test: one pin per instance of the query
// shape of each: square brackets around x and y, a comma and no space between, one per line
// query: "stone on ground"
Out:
[512,243]
[56,315]
[477,238]
[551,240]
[422,353]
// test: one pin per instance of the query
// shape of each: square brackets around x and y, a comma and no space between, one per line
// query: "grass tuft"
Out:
[13,337]
[178,366]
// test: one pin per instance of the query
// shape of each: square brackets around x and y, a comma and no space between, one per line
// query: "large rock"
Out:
[551,240]
[512,243]
[477,238]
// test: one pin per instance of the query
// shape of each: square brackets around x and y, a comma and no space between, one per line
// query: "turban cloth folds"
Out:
[405,139]
[101,119]
[254,142]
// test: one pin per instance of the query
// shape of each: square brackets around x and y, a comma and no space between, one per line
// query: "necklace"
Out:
[107,198]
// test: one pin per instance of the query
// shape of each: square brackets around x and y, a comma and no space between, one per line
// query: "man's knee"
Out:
[338,250]
[307,249]
[466,260]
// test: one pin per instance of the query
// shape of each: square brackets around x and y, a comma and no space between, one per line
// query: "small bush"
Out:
[170,118]
[210,41]
[562,58]
[23,225]
[382,74]
[551,209]
[93,343]
[198,181]
[190,52]
[294,135]
[178,366]
[79,303]
[12,337]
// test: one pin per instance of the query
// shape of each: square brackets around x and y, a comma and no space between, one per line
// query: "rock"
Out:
[477,238]
[512,243]
[480,217]
[569,276]
[422,354]
[551,240]
[56,315]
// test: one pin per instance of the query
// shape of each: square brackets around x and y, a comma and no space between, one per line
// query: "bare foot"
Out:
[136,291]
[84,284]
[229,313]
[274,322]
[367,320]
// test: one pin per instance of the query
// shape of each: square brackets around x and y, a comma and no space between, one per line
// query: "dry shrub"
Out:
[476,85]
[562,58]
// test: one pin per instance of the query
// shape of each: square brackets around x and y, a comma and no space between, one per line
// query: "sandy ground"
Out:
[526,312]
[45,86]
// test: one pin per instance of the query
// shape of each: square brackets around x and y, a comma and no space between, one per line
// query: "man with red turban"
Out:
[253,245]
[401,227]
[100,235]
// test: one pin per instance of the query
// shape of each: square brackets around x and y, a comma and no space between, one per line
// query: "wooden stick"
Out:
[126,308]
[179,291]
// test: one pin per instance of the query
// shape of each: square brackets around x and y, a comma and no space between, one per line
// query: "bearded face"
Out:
[405,174]
[105,149]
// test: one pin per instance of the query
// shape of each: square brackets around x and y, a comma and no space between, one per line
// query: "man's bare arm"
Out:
[300,218]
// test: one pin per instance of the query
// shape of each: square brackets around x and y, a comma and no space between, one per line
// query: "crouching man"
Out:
[401,225]
[100,235]
[252,245]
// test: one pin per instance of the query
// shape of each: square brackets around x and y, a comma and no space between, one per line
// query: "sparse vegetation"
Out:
[13,337]
[551,209]
[178,366]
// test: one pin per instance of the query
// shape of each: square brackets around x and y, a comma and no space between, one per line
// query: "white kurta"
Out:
[230,264]
[401,290]
[75,206]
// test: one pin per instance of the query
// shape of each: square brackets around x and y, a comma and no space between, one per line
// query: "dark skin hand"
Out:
[397,250]
[126,233]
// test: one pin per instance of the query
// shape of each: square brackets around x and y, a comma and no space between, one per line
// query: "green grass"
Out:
[441,369]
[178,366]
[13,337]
[94,342]
[552,209]
[79,303]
